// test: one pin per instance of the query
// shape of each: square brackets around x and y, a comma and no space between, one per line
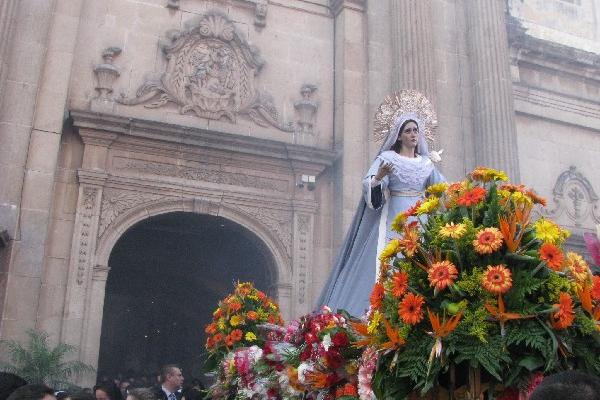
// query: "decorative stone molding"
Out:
[174,4]
[211,72]
[574,196]
[306,109]
[302,245]
[115,202]
[279,222]
[197,174]
[86,237]
[338,5]
[100,273]
[260,13]
[106,75]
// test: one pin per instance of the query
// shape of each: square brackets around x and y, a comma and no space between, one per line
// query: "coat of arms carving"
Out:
[211,71]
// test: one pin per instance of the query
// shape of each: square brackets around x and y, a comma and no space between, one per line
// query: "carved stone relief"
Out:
[106,75]
[306,108]
[260,13]
[115,202]
[575,197]
[85,236]
[302,262]
[278,221]
[211,71]
[198,174]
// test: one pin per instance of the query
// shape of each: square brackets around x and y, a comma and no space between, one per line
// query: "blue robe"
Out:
[354,273]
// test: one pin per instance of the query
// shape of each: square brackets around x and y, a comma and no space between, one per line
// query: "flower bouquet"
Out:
[321,361]
[235,342]
[475,296]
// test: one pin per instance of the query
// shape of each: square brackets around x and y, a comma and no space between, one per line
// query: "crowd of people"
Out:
[168,385]
[573,385]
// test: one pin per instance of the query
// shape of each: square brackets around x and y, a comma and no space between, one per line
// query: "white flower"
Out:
[327,342]
[303,368]
[436,156]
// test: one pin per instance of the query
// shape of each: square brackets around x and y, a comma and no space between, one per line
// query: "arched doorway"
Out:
[167,274]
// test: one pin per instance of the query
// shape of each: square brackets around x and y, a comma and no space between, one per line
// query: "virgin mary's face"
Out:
[409,136]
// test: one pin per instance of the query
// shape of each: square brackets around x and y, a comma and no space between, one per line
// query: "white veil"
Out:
[392,137]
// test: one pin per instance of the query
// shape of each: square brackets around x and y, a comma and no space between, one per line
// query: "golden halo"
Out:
[401,102]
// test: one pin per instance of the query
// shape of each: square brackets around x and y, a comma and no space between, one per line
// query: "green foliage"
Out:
[470,283]
[475,323]
[492,212]
[491,355]
[38,362]
[554,285]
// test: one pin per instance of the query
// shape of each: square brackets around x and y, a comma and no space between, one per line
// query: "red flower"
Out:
[236,335]
[305,355]
[472,197]
[377,296]
[411,212]
[596,288]
[340,339]
[333,359]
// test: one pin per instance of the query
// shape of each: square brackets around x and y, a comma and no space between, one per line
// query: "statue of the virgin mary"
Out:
[398,177]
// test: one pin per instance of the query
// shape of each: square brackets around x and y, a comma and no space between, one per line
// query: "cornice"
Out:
[109,125]
[338,5]
[550,54]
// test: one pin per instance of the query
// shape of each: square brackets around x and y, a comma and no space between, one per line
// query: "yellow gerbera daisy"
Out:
[452,230]
[374,322]
[250,336]
[485,174]
[399,222]
[437,188]
[430,205]
[390,250]
[236,320]
[548,231]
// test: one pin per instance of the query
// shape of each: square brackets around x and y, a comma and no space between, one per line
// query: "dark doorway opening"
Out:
[167,275]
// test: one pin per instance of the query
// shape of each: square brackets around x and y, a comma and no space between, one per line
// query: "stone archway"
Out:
[133,170]
[167,274]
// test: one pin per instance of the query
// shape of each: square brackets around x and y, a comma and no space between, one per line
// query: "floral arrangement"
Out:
[245,374]
[474,290]
[321,361]
[236,323]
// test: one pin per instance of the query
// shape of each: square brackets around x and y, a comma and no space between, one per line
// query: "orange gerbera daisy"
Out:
[552,256]
[410,309]
[411,212]
[229,341]
[497,279]
[535,197]
[578,267]
[252,315]
[211,328]
[472,197]
[234,306]
[399,283]
[377,296]
[410,242]
[596,288]
[218,337]
[442,274]
[565,315]
[236,335]
[488,240]
[347,390]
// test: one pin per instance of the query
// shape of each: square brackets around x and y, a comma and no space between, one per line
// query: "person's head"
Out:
[82,395]
[32,392]
[107,391]
[572,385]
[9,383]
[171,377]
[408,136]
[141,394]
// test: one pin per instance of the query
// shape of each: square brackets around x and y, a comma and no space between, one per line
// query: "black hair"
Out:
[572,385]
[31,392]
[9,382]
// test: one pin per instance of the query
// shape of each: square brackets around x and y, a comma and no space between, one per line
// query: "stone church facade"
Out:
[260,111]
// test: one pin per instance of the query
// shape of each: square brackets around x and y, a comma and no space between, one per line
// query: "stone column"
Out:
[413,61]
[493,107]
[8,11]
[350,115]
[20,272]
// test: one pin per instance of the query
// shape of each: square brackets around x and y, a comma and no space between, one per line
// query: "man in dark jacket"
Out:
[171,380]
